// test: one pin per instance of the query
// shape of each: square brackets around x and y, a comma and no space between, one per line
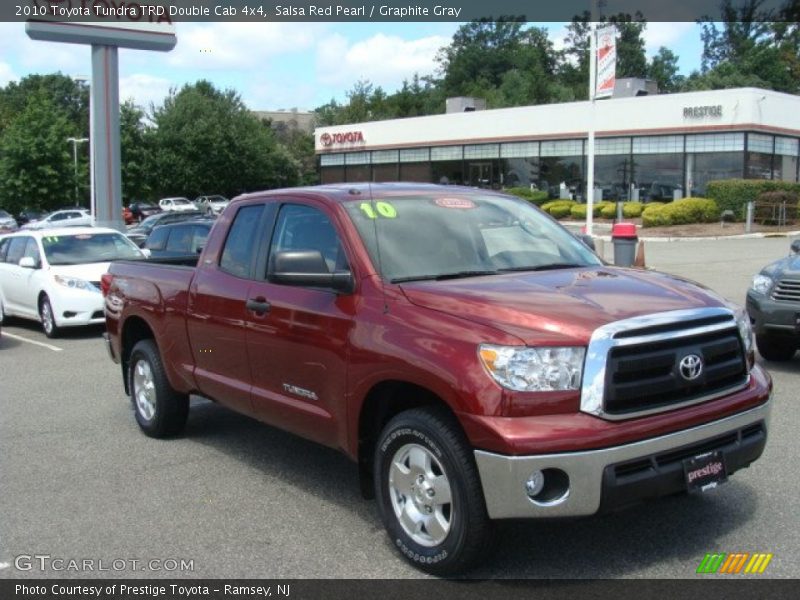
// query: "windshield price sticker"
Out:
[380,209]
[455,203]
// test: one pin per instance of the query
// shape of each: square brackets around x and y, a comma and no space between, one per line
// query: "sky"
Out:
[276,66]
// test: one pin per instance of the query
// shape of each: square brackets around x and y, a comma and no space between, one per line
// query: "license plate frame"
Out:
[705,471]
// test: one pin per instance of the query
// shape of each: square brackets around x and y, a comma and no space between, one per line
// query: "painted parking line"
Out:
[24,339]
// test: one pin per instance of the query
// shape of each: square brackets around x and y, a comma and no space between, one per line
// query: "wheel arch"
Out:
[134,330]
[383,401]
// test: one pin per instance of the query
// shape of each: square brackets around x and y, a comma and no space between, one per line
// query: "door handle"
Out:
[258,305]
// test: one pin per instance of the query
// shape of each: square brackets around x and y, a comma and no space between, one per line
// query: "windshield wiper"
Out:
[550,267]
[443,276]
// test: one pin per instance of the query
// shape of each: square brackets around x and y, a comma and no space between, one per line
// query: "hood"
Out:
[89,272]
[563,306]
[785,267]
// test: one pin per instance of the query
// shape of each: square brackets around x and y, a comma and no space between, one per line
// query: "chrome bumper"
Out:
[503,477]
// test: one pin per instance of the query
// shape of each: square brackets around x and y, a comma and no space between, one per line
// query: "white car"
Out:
[176,204]
[211,205]
[73,217]
[53,276]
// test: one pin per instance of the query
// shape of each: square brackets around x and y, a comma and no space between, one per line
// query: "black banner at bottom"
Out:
[707,587]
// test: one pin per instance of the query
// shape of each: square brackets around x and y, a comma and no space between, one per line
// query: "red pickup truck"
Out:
[474,358]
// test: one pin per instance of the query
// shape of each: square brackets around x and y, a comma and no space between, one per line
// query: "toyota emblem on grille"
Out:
[691,367]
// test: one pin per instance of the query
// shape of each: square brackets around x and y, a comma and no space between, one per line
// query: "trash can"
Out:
[624,238]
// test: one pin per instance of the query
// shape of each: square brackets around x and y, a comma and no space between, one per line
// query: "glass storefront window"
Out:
[709,166]
[613,174]
[759,165]
[516,172]
[555,170]
[331,175]
[420,172]
[785,165]
[658,175]
[448,172]
[387,172]
[357,173]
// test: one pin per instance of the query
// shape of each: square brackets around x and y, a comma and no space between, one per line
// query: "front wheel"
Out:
[429,493]
[778,348]
[160,410]
[48,319]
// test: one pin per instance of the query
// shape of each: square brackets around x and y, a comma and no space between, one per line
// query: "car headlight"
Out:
[524,369]
[761,284]
[745,330]
[74,283]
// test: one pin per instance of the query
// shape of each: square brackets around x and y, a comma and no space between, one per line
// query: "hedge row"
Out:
[734,194]
[537,197]
[687,210]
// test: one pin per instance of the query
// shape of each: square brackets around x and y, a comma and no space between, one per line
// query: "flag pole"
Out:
[590,145]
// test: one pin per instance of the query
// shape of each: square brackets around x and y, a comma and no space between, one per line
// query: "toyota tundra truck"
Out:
[474,358]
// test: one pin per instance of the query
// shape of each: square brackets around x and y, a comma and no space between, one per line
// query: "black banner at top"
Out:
[172,11]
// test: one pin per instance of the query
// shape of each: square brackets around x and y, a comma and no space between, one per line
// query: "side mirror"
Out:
[28,262]
[795,247]
[308,268]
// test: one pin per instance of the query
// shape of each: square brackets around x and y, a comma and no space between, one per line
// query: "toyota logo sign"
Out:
[690,367]
[349,137]
[326,139]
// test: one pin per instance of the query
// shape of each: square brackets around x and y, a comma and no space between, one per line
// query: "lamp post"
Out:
[75,142]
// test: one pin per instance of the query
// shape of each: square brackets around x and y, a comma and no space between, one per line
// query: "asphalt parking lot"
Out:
[240,499]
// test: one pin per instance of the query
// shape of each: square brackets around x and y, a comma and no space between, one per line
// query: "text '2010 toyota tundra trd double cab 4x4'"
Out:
[476,359]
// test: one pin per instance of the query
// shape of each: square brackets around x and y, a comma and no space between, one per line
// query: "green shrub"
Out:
[578,211]
[609,211]
[775,208]
[679,212]
[558,209]
[537,197]
[654,216]
[632,210]
[734,194]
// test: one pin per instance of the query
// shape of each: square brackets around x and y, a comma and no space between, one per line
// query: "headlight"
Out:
[745,330]
[74,283]
[761,284]
[525,369]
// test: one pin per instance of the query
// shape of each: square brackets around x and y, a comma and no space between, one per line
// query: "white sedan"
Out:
[53,276]
[176,204]
[77,217]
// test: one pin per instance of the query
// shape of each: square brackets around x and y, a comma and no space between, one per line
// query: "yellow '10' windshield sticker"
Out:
[381,209]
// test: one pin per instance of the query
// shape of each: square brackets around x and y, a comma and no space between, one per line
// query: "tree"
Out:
[206,141]
[136,148]
[663,69]
[68,96]
[35,160]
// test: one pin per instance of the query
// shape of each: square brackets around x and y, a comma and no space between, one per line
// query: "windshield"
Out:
[85,248]
[461,233]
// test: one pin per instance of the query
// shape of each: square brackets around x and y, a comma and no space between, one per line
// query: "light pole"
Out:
[75,142]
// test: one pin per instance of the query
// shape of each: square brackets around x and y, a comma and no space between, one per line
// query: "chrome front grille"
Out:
[633,367]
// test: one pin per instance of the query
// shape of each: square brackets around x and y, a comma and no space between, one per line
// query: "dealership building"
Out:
[652,147]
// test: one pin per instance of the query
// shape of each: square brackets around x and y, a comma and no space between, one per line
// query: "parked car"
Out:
[74,217]
[773,303]
[26,215]
[140,232]
[211,205]
[176,204]
[472,357]
[185,238]
[141,210]
[53,276]
[7,222]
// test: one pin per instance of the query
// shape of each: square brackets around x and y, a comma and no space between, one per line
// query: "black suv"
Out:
[186,238]
[138,234]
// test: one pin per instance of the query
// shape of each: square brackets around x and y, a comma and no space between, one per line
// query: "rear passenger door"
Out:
[16,279]
[217,318]
[298,342]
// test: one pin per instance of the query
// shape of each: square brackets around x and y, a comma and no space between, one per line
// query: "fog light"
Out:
[534,484]
[547,487]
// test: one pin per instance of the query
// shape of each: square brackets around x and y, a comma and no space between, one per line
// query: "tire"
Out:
[777,348]
[160,410]
[429,493]
[48,318]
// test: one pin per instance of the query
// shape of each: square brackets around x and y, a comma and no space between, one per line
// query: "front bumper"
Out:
[770,316]
[610,478]
[76,308]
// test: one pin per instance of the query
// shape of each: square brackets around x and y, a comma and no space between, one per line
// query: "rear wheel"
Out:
[778,348]
[428,491]
[48,319]
[160,410]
